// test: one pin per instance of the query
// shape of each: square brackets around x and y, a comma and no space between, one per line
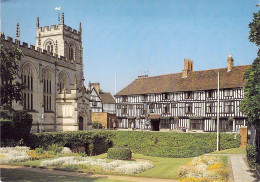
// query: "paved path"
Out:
[241,171]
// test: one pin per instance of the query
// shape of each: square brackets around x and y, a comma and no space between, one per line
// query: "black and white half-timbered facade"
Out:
[101,101]
[184,101]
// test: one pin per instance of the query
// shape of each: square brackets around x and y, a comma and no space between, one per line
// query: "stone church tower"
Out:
[63,41]
[52,71]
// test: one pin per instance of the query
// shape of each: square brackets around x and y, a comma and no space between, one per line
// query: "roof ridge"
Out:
[192,72]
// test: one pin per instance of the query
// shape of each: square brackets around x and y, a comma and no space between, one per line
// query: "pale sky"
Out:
[128,38]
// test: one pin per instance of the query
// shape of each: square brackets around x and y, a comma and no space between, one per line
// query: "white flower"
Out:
[14,154]
[66,150]
[119,166]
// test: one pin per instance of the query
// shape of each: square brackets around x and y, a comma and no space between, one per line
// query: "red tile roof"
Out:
[196,80]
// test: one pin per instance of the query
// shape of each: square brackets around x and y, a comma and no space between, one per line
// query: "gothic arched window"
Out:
[71,52]
[62,82]
[47,90]
[49,47]
[27,80]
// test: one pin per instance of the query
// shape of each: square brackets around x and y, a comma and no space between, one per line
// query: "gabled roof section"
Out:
[95,93]
[107,98]
[196,81]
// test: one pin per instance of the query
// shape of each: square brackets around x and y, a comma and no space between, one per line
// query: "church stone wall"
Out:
[68,106]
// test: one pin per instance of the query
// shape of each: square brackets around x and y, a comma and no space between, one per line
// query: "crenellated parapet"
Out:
[38,53]
[58,27]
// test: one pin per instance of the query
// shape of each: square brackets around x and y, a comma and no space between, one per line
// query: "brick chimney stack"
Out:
[96,86]
[188,67]
[230,63]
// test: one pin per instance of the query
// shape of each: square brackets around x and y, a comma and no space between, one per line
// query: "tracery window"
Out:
[62,83]
[47,90]
[71,52]
[27,80]
[49,47]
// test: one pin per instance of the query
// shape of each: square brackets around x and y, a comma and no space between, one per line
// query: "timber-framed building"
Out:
[184,101]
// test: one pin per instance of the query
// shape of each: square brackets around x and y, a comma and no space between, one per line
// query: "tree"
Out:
[9,89]
[15,125]
[255,29]
[251,103]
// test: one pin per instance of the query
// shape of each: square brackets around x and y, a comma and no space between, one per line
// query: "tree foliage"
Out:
[10,89]
[251,103]
[254,26]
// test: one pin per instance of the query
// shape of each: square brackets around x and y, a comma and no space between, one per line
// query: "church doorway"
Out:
[155,125]
[80,123]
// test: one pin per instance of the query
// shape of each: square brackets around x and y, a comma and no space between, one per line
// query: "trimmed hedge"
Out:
[94,143]
[252,155]
[119,153]
[158,144]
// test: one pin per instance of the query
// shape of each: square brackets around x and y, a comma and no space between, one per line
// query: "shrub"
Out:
[15,126]
[119,153]
[97,125]
[54,149]
[252,155]
[157,144]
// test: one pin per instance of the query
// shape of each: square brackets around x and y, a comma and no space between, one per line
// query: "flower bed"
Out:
[10,155]
[204,169]
[119,166]
[14,154]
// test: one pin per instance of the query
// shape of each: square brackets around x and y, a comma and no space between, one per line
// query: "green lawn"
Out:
[163,167]
[29,176]
[231,151]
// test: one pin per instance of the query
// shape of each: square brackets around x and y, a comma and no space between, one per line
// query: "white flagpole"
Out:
[218,117]
[115,83]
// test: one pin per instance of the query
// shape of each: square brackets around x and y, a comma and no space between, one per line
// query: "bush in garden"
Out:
[15,126]
[119,153]
[97,125]
[54,149]
[157,144]
[252,155]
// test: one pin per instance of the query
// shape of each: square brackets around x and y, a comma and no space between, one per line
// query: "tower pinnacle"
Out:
[62,18]
[17,32]
[37,23]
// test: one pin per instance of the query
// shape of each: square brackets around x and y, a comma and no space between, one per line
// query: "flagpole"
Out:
[218,117]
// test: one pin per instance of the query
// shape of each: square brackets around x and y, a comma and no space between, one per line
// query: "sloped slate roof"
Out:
[107,98]
[196,80]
